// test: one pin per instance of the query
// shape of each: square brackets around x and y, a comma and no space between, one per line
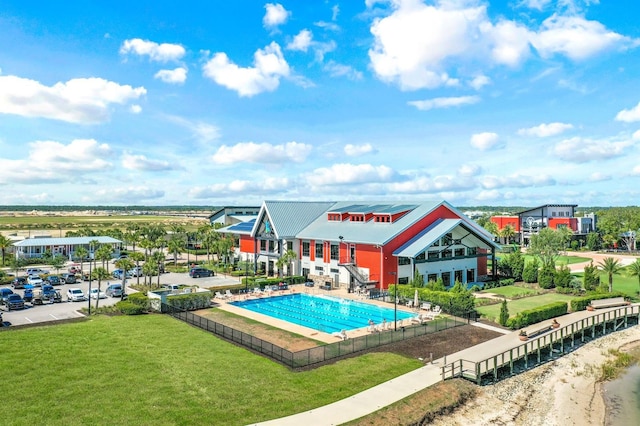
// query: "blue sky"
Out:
[521,102]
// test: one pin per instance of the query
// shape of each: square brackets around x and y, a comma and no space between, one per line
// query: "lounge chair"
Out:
[257,292]
[229,295]
[341,334]
[426,306]
[433,313]
[218,295]
[418,319]
[409,304]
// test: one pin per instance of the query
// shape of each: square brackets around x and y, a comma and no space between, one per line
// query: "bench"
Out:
[607,303]
[538,331]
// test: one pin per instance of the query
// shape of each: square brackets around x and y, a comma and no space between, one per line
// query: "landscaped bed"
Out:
[491,312]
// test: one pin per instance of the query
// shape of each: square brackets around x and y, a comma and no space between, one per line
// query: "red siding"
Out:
[503,221]
[247,244]
[570,222]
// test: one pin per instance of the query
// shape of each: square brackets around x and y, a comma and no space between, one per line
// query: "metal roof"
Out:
[288,218]
[66,241]
[240,228]
[397,209]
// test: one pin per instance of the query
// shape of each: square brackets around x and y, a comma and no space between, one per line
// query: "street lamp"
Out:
[395,302]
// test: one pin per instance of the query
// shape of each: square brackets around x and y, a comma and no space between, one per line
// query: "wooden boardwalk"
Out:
[506,355]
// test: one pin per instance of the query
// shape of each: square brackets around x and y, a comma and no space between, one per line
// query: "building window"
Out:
[432,278]
[471,276]
[553,213]
[334,271]
[472,251]
[447,253]
[434,255]
[335,252]
[404,261]
[263,245]
[447,239]
[459,252]
[458,276]
[319,250]
[420,256]
[305,248]
[290,245]
[305,272]
[436,243]
[403,280]
[446,279]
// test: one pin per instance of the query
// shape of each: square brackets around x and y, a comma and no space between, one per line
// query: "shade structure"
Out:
[415,299]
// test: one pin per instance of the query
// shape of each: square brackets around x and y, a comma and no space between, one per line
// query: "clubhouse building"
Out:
[346,244]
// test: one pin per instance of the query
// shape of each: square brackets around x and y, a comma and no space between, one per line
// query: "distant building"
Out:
[554,216]
[231,215]
[366,244]
[37,247]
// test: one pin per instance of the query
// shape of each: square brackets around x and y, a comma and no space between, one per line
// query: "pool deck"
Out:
[306,331]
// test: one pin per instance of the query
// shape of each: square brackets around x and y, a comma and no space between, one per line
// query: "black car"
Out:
[19,282]
[14,302]
[68,278]
[200,272]
[53,280]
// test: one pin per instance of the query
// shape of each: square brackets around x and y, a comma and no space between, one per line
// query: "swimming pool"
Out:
[323,313]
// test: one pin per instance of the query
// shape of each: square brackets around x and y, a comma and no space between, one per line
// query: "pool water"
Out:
[323,313]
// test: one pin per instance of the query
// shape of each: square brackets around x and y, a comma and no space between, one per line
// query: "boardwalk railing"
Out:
[543,348]
[317,354]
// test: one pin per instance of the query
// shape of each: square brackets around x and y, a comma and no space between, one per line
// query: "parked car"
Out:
[36,271]
[75,270]
[114,290]
[53,280]
[28,295]
[200,272]
[135,271]
[4,293]
[118,274]
[19,282]
[97,294]
[75,294]
[35,280]
[68,278]
[13,302]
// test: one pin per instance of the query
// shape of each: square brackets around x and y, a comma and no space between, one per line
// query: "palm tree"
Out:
[175,246]
[103,254]
[5,243]
[158,258]
[125,265]
[634,270]
[610,266]
[100,274]
[81,253]
[507,233]
[137,257]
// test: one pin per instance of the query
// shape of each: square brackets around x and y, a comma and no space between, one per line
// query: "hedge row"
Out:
[541,313]
[581,303]
[130,308]
[190,301]
[500,283]
[451,302]
[261,282]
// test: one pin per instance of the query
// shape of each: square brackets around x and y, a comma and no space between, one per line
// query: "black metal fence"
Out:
[318,354]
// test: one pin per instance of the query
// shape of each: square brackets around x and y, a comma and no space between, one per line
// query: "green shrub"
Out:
[546,276]
[541,313]
[459,303]
[129,308]
[190,301]
[139,299]
[504,313]
[563,276]
[580,303]
[530,272]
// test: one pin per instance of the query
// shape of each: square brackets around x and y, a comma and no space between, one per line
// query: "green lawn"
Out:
[492,312]
[510,291]
[561,260]
[152,369]
[621,282]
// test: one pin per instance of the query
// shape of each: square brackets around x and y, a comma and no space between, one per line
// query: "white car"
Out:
[75,295]
[35,280]
[97,294]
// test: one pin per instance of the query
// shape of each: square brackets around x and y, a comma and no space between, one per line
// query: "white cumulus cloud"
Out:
[340,70]
[629,115]
[275,15]
[574,37]
[580,150]
[163,52]
[174,76]
[485,141]
[428,104]
[259,187]
[142,163]
[269,67]
[340,174]
[264,153]
[80,100]
[546,129]
[355,150]
[129,195]
[479,82]
[301,41]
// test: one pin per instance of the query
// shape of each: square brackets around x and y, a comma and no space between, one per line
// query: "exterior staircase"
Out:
[358,276]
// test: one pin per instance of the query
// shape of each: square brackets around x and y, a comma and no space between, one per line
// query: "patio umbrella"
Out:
[415,299]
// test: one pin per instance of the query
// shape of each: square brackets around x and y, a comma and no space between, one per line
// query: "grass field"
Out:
[621,282]
[152,369]
[491,312]
[510,291]
[561,260]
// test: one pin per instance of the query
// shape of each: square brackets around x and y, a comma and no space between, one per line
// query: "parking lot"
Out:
[66,310]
